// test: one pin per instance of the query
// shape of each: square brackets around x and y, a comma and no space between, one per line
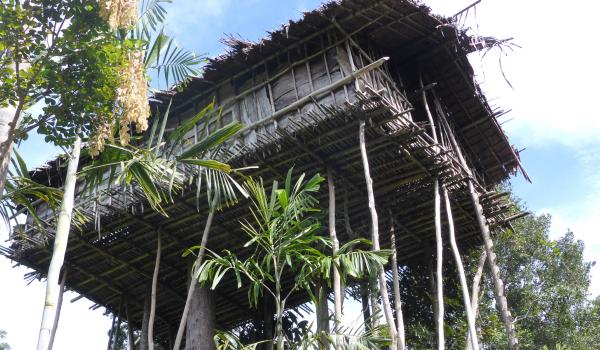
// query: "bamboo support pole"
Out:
[337,284]
[396,287]
[439,278]
[475,291]
[439,317]
[58,308]
[63,227]
[461,272]
[375,237]
[501,301]
[153,292]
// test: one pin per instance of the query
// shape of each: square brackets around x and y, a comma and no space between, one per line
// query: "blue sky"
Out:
[553,116]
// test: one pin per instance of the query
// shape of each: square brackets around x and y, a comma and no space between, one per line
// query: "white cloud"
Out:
[185,16]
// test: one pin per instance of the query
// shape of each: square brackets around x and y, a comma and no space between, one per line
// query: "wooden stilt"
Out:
[387,309]
[513,343]
[439,318]
[501,302]
[337,284]
[475,291]
[439,278]
[396,287]
[58,308]
[461,273]
[153,293]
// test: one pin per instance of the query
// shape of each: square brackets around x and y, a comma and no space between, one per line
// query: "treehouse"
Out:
[302,94]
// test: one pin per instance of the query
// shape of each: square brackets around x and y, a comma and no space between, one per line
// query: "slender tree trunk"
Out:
[8,125]
[387,309]
[194,282]
[396,286]
[60,246]
[322,311]
[279,307]
[153,295]
[268,319]
[130,337]
[10,117]
[439,278]
[118,326]
[58,308]
[201,322]
[112,333]
[432,289]
[461,272]
[337,284]
[475,291]
[145,319]
[364,298]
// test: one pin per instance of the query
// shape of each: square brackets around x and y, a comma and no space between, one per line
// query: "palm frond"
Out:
[174,63]
[151,17]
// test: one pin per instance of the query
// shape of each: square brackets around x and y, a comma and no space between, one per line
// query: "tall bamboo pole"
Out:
[194,281]
[461,272]
[337,284]
[58,308]
[439,318]
[153,293]
[387,309]
[396,285]
[502,304]
[60,247]
[439,278]
[475,291]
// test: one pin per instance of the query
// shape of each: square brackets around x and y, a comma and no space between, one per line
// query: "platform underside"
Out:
[116,263]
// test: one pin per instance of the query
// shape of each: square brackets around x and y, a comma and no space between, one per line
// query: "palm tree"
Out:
[286,238]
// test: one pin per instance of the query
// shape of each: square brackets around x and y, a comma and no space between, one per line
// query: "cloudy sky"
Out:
[553,118]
